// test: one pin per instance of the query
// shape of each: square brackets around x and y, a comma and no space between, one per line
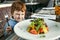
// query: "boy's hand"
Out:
[8,29]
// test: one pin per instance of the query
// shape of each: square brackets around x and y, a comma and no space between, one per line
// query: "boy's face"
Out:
[19,15]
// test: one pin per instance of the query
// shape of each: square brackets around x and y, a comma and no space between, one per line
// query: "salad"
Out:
[37,26]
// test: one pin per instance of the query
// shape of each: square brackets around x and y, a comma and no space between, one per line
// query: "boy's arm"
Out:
[5,33]
[6,25]
[7,29]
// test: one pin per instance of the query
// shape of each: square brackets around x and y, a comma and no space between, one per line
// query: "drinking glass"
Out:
[57,12]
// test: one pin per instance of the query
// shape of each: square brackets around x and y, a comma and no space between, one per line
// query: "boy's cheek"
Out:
[15,17]
[23,17]
[19,18]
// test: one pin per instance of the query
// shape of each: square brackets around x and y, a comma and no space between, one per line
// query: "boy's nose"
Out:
[18,17]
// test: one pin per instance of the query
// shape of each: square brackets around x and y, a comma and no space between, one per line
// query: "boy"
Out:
[18,10]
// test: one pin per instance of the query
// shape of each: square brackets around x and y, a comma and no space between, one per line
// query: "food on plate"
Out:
[37,26]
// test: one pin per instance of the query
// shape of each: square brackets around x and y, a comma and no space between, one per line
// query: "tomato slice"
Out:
[47,28]
[41,30]
[33,31]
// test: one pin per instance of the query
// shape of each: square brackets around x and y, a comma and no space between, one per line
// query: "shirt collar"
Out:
[13,19]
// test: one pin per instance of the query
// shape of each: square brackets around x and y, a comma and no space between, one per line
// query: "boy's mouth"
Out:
[20,19]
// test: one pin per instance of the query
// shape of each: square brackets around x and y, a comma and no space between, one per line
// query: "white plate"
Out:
[54,30]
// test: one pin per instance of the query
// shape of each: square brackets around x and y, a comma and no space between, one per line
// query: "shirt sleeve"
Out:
[6,25]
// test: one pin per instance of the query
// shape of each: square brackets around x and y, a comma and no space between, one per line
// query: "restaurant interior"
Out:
[49,8]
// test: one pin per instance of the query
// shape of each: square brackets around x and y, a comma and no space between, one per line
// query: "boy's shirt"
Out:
[11,23]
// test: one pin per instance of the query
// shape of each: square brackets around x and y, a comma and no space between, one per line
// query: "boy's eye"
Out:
[17,14]
[22,11]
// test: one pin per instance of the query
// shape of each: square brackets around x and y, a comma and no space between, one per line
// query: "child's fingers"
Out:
[9,28]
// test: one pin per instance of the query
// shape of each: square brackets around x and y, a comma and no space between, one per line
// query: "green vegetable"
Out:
[42,36]
[37,28]
[37,22]
[32,23]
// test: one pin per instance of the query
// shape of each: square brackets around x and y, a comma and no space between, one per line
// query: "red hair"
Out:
[19,6]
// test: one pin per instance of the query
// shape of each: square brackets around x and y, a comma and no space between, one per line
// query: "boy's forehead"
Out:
[18,12]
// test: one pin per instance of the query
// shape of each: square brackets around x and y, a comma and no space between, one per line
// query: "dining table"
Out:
[13,36]
[47,10]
